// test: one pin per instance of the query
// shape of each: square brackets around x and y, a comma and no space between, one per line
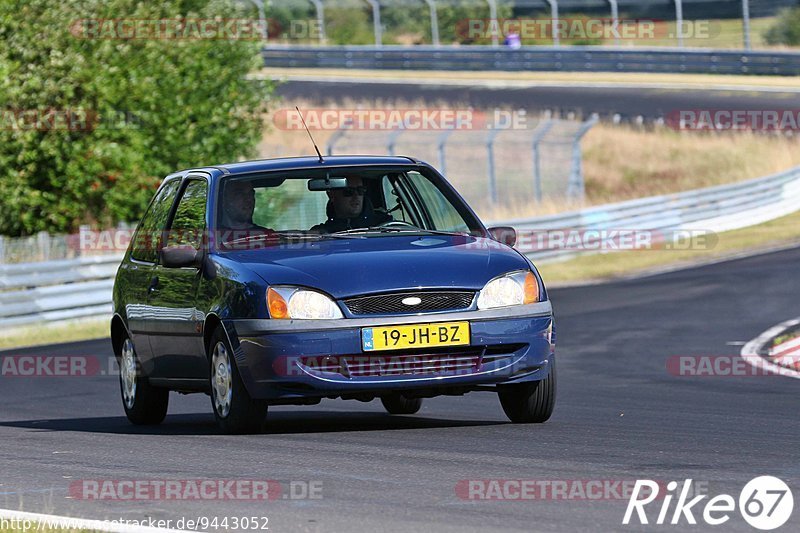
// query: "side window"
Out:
[444,216]
[190,216]
[147,235]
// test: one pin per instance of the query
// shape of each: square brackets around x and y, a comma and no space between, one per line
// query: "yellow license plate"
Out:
[415,336]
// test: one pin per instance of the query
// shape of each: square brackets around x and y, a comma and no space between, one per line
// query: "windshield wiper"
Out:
[284,236]
[395,229]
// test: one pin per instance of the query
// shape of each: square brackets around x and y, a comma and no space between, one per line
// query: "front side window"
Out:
[189,221]
[153,223]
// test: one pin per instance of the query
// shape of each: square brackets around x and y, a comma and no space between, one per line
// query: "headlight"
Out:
[514,288]
[297,303]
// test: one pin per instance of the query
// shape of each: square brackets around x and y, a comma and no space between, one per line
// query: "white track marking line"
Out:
[48,521]
[750,350]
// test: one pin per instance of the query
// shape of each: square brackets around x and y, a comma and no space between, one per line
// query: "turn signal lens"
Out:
[277,305]
[531,289]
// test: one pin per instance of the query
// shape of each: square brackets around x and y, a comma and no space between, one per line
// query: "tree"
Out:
[786,29]
[91,121]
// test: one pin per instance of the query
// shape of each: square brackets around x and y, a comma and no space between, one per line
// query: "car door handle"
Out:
[153,284]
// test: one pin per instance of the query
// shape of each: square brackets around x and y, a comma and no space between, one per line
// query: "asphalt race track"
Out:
[620,416]
[629,103]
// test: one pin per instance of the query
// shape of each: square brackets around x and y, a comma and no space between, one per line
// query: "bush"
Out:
[786,29]
[150,107]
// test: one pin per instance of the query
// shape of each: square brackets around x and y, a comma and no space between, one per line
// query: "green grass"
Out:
[778,232]
[54,333]
[719,33]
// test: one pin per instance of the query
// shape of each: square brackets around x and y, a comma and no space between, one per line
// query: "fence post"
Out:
[336,137]
[2,249]
[554,21]
[538,134]
[43,243]
[320,19]
[490,157]
[440,145]
[575,185]
[391,141]
[615,19]
[746,23]
[679,21]
[493,19]
[376,22]
[434,22]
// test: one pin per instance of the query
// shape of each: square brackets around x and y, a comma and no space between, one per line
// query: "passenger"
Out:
[350,208]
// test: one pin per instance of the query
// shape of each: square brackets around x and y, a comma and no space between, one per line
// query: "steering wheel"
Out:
[401,223]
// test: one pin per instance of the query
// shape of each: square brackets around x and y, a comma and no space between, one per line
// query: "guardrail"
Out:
[536,58]
[50,291]
[57,290]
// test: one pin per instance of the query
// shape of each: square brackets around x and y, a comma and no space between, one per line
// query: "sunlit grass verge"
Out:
[659,80]
[41,334]
[776,233]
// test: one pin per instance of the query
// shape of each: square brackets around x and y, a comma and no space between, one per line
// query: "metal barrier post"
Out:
[43,242]
[679,21]
[320,19]
[2,249]
[615,19]
[490,156]
[336,137]
[538,134]
[434,22]
[440,145]
[554,21]
[392,140]
[575,185]
[746,23]
[376,21]
[493,23]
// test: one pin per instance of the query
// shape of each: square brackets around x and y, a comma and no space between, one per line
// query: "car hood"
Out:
[356,266]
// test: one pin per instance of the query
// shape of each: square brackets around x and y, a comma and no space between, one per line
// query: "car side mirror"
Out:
[180,255]
[505,234]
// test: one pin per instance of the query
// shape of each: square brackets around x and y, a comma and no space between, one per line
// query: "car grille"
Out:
[390,304]
[402,365]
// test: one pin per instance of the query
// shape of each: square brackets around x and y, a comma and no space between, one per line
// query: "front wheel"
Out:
[397,404]
[143,403]
[234,410]
[533,402]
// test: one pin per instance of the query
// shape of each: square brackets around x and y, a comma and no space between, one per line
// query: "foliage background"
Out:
[162,105]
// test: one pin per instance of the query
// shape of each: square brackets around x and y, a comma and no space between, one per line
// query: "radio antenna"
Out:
[309,134]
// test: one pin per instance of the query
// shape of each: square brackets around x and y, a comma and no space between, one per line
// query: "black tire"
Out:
[397,404]
[144,404]
[526,403]
[236,413]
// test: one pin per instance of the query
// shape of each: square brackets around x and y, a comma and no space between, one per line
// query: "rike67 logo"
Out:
[765,503]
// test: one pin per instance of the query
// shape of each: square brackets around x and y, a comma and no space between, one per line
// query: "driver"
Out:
[348,208]
[238,205]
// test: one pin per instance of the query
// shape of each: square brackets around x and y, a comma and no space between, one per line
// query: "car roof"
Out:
[307,162]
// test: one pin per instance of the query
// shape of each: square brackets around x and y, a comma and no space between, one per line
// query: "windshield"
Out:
[343,201]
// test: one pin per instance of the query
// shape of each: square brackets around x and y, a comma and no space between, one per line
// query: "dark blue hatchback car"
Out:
[286,281]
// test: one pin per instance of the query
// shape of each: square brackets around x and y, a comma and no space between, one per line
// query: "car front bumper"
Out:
[286,360]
